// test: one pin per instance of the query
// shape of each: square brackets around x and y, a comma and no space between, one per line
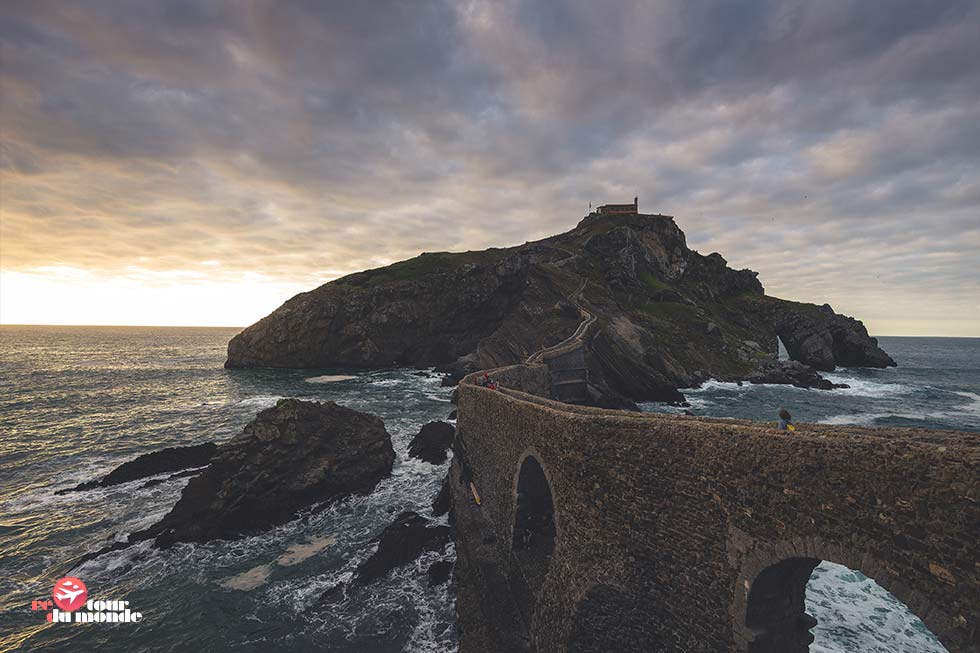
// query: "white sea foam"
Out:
[330,378]
[856,419]
[854,613]
[711,385]
[867,388]
[265,401]
[972,407]
[385,383]
[867,419]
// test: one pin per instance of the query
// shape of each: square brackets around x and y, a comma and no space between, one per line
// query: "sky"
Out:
[198,163]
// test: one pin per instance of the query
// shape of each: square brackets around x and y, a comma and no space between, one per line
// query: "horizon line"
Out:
[133,326]
[218,326]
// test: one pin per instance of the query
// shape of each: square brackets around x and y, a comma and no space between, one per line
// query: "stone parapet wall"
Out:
[666,524]
[532,379]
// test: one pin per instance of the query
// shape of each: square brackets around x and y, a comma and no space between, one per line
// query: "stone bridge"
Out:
[582,529]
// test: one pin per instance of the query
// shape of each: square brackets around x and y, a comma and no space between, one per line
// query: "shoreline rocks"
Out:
[441,503]
[792,373]
[171,459]
[400,543]
[439,572]
[289,457]
[432,442]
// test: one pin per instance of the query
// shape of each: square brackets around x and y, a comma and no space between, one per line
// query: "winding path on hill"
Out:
[583,327]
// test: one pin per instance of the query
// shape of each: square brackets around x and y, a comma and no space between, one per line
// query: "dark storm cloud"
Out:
[825,144]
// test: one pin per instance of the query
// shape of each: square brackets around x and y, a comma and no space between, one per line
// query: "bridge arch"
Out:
[534,531]
[771,604]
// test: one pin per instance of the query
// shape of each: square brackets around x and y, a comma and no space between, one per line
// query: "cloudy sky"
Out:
[200,162]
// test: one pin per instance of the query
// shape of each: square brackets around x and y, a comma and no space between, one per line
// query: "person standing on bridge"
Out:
[785,421]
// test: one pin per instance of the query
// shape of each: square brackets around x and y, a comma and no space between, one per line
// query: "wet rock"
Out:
[439,572]
[400,543]
[792,373]
[158,481]
[432,442]
[289,457]
[333,596]
[170,459]
[454,414]
[442,501]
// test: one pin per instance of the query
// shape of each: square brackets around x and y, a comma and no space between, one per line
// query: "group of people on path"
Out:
[486,382]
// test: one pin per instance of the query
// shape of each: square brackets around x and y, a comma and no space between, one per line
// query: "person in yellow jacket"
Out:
[786,420]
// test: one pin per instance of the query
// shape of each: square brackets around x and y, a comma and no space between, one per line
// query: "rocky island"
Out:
[666,316]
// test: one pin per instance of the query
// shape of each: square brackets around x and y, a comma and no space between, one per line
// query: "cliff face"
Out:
[667,316]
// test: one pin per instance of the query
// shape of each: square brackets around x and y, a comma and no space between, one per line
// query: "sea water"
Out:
[77,401]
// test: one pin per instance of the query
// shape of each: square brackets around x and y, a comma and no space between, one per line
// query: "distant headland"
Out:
[666,316]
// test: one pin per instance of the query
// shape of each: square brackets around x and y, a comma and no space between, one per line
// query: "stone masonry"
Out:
[692,534]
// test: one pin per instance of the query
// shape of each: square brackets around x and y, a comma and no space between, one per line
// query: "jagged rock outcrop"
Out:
[400,543]
[822,339]
[792,373]
[432,442]
[183,474]
[289,457]
[171,459]
[667,316]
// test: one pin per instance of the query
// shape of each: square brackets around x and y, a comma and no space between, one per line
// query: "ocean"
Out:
[77,401]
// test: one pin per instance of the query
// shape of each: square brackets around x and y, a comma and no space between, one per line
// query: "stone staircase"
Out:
[567,371]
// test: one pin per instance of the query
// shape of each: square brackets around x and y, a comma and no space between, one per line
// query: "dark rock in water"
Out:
[421,373]
[439,572]
[333,596]
[792,373]
[449,381]
[186,472]
[400,543]
[442,501]
[289,457]
[679,404]
[170,459]
[432,442]
[454,414]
